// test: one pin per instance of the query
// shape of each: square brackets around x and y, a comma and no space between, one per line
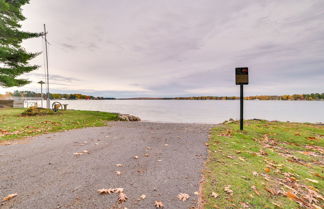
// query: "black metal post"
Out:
[241,106]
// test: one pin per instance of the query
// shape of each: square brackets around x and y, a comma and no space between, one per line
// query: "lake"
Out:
[206,111]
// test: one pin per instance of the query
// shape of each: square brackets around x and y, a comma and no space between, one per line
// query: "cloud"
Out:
[176,48]
[68,46]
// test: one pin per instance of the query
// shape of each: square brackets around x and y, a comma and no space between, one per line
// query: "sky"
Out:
[167,48]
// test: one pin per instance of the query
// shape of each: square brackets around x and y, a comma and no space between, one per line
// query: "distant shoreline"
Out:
[141,99]
[58,96]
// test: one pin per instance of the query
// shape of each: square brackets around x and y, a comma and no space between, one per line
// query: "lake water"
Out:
[206,111]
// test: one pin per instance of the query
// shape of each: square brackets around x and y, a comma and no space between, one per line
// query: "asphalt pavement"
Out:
[65,169]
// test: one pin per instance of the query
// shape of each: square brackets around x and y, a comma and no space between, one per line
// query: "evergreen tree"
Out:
[13,58]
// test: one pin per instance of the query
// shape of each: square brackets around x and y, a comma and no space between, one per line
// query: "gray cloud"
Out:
[184,47]
[54,77]
[68,46]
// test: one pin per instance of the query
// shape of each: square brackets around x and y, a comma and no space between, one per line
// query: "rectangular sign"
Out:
[242,75]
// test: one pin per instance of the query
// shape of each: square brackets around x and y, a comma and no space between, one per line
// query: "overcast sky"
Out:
[130,48]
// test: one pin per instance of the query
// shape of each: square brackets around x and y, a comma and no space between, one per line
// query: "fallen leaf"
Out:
[119,165]
[267,170]
[255,190]
[196,193]
[143,196]
[135,157]
[122,197]
[292,196]
[241,159]
[214,195]
[105,191]
[118,173]
[183,196]
[311,138]
[158,204]
[166,145]
[272,191]
[255,173]
[318,175]
[245,205]
[146,155]
[228,190]
[9,197]
[119,190]
[276,204]
[81,153]
[312,180]
[316,206]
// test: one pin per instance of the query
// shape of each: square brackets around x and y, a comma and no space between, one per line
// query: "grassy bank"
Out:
[268,165]
[13,125]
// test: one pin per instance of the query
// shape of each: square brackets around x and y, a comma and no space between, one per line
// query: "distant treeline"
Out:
[55,95]
[315,96]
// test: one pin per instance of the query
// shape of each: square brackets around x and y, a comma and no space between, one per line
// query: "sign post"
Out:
[242,78]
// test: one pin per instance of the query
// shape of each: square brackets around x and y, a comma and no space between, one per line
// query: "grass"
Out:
[15,126]
[268,165]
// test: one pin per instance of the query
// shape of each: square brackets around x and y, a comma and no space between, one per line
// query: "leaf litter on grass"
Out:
[281,160]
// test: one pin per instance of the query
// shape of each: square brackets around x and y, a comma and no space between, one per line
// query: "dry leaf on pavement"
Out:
[118,173]
[119,190]
[81,153]
[9,197]
[135,157]
[119,165]
[158,204]
[122,197]
[106,191]
[143,196]
[183,196]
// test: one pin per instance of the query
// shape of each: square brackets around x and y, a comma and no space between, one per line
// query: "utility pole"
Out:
[41,83]
[48,104]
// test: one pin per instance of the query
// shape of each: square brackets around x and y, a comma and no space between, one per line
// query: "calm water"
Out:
[208,111]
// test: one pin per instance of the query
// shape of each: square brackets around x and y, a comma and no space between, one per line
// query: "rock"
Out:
[127,117]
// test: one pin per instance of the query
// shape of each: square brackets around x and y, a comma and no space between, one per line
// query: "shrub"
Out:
[33,111]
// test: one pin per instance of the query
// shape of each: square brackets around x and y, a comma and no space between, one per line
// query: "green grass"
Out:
[288,159]
[14,126]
